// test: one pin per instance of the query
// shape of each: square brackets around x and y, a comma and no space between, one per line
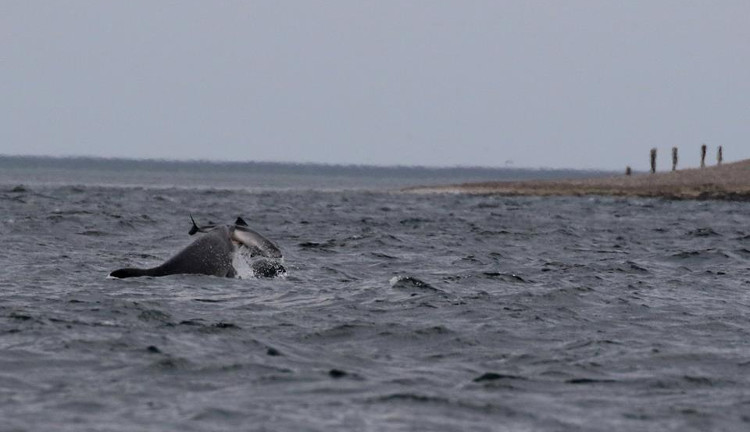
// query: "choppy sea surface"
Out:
[399,312]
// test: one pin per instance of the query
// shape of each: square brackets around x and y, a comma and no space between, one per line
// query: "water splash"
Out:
[248,267]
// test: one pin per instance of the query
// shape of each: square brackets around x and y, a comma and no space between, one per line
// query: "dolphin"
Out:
[212,254]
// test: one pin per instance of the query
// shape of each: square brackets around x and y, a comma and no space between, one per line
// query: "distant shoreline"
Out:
[729,181]
[410,175]
[40,160]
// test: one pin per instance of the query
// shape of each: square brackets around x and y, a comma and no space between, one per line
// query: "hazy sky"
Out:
[568,84]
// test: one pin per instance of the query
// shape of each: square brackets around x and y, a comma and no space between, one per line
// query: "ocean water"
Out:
[398,312]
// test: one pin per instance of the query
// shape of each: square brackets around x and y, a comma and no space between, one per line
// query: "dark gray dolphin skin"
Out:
[212,254]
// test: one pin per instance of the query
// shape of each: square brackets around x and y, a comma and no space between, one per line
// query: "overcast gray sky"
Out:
[567,84]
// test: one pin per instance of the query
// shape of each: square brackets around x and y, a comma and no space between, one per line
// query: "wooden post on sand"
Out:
[653,160]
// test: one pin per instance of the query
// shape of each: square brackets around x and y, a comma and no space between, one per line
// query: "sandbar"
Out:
[728,181]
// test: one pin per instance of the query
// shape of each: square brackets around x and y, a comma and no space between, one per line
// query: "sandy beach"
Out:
[729,181]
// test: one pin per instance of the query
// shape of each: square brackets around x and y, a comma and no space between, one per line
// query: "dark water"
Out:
[399,312]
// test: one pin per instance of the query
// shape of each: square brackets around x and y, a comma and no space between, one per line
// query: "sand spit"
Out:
[729,181]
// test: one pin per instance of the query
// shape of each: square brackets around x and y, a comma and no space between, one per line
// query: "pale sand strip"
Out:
[727,181]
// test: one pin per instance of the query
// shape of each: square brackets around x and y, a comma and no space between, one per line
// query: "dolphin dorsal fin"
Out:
[240,221]
[194,229]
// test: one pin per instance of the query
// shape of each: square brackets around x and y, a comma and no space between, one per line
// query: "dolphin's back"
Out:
[210,254]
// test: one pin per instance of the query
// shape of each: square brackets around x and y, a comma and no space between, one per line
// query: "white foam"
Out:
[242,264]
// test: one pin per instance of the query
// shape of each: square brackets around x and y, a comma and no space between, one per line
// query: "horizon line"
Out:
[305,163]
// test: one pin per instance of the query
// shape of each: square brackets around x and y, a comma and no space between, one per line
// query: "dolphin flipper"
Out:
[200,229]
[194,229]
